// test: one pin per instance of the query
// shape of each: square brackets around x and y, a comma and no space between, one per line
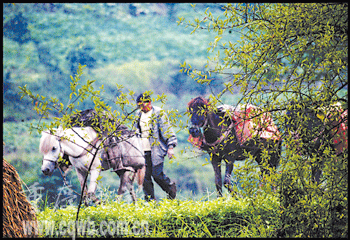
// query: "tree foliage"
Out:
[298,49]
[290,53]
[286,53]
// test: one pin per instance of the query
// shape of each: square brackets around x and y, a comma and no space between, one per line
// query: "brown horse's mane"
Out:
[197,101]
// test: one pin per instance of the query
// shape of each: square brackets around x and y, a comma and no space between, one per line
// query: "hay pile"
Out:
[16,208]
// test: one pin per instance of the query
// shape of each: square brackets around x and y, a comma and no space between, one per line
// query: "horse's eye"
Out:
[54,148]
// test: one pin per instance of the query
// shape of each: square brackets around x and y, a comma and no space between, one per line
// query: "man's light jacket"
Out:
[162,135]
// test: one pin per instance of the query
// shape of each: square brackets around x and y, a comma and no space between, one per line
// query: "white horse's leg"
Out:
[93,185]
[93,180]
[81,177]
[91,189]
[126,183]
[130,186]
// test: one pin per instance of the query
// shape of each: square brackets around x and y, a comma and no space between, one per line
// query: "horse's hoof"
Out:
[98,201]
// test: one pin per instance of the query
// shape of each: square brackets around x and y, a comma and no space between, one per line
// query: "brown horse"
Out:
[315,129]
[229,132]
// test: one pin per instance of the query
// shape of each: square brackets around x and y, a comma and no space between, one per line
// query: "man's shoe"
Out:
[172,191]
[149,198]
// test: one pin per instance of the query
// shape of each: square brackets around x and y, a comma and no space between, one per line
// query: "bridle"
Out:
[55,161]
[223,135]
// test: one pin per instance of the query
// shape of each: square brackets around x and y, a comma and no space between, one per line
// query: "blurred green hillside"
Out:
[138,46]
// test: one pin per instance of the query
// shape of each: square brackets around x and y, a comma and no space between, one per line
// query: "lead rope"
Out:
[65,182]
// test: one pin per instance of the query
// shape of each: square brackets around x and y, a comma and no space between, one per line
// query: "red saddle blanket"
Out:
[252,122]
[339,124]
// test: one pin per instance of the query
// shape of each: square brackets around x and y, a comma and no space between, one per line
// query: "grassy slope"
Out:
[222,217]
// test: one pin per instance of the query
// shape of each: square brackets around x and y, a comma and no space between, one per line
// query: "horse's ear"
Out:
[59,131]
[51,131]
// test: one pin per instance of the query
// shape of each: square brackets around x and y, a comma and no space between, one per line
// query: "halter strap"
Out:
[221,138]
[205,123]
[50,160]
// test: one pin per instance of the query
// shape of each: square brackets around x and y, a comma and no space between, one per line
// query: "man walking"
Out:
[158,140]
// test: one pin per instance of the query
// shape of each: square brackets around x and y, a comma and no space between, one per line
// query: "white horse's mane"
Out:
[48,139]
[46,142]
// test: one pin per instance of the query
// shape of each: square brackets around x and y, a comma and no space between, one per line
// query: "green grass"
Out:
[222,217]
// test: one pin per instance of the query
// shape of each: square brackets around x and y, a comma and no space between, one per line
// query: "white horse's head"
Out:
[51,148]
[74,142]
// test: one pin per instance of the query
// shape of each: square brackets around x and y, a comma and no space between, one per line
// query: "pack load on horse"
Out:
[337,118]
[230,131]
[80,146]
[315,128]
[247,126]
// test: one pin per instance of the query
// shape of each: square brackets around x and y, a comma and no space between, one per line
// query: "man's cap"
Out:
[143,97]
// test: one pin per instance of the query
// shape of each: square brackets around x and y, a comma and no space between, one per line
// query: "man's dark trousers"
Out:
[158,175]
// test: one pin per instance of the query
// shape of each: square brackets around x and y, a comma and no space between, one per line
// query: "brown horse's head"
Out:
[197,107]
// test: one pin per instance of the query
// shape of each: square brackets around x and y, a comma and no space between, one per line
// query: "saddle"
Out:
[111,155]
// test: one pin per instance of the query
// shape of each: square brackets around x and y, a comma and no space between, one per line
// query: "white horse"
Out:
[81,144]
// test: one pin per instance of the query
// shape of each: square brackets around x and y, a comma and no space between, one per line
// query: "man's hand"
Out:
[170,153]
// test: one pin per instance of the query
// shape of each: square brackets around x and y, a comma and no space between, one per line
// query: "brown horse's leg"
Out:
[274,150]
[216,162]
[227,180]
[275,154]
[316,174]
